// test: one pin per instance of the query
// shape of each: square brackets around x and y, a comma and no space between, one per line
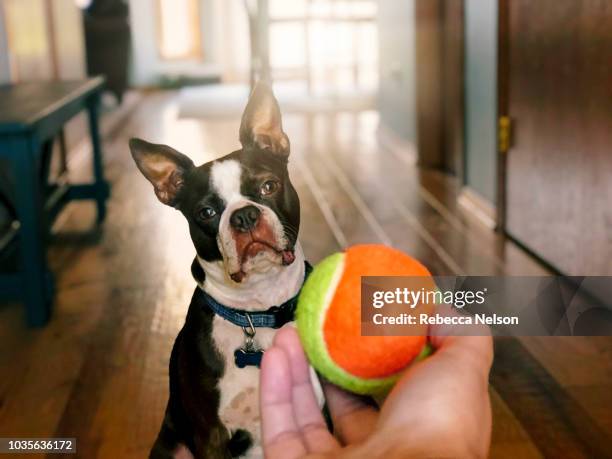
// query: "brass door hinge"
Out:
[504,133]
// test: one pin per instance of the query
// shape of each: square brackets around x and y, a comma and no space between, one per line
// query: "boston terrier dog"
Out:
[244,216]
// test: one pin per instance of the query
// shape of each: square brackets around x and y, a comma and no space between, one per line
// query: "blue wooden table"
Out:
[31,115]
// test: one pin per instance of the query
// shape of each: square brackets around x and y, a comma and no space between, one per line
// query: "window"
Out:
[179,29]
[329,43]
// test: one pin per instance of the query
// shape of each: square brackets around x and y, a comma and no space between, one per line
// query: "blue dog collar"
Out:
[275,317]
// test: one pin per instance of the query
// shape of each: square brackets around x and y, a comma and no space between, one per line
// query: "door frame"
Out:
[440,78]
[503,98]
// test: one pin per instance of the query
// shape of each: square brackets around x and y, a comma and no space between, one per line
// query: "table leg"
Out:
[37,285]
[101,185]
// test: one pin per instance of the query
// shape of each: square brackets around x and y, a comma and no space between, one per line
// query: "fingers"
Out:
[354,419]
[280,433]
[306,410]
[470,343]
[292,423]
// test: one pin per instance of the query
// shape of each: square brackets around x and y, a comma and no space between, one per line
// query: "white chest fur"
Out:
[239,387]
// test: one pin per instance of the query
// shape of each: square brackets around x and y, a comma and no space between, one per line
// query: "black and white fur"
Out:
[243,216]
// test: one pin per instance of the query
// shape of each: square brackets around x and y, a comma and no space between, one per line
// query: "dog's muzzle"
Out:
[252,238]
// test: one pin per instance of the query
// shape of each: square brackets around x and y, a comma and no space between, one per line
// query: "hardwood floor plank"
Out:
[440,192]
[320,233]
[358,218]
[509,438]
[574,361]
[391,192]
[558,424]
[597,400]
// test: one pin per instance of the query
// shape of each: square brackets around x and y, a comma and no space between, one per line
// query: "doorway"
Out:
[555,74]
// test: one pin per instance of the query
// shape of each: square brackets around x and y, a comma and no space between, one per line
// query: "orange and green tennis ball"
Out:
[329,321]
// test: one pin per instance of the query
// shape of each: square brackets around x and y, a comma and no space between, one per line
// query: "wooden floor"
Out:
[98,371]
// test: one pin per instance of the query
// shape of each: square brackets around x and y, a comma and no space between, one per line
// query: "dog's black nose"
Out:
[245,219]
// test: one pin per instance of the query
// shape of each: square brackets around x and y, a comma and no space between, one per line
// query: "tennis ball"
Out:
[329,321]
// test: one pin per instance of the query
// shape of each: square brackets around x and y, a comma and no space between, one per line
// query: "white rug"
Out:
[228,101]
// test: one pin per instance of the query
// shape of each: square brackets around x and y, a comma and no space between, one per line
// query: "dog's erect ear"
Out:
[261,125]
[163,166]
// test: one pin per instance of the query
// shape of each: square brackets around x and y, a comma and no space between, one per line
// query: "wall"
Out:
[69,39]
[396,99]
[40,48]
[5,77]
[30,52]
[481,97]
[229,38]
[5,69]
[225,43]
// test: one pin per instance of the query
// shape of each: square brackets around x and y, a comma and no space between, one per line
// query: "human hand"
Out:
[439,408]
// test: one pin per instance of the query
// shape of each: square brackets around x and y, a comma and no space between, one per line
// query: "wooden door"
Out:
[559,98]
[440,84]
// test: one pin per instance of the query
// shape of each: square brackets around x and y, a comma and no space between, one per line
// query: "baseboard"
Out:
[403,149]
[477,206]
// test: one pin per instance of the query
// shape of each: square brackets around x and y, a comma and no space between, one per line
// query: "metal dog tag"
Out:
[244,358]
[249,354]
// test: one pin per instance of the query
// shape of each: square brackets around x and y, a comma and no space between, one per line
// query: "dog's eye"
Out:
[269,187]
[207,212]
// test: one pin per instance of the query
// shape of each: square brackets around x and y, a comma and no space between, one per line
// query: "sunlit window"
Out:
[179,29]
[326,42]
[83,3]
